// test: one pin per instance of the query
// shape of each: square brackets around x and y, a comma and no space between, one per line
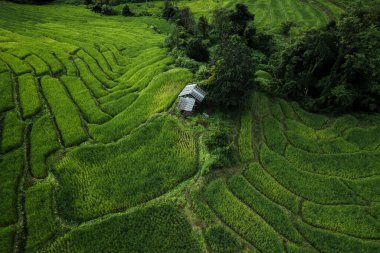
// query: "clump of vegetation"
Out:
[335,68]
[220,52]
[221,147]
[127,11]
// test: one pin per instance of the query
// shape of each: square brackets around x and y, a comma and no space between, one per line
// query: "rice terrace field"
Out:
[95,157]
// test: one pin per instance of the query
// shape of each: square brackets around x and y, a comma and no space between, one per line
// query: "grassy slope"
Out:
[109,76]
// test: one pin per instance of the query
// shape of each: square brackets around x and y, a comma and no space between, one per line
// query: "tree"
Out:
[203,27]
[240,18]
[126,11]
[221,24]
[335,68]
[232,73]
[196,50]
[185,18]
[169,11]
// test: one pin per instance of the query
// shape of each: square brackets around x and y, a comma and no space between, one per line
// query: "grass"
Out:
[12,132]
[65,113]
[30,101]
[220,239]
[158,96]
[266,184]
[7,235]
[43,141]
[153,160]
[352,165]
[318,188]
[86,103]
[327,241]
[162,228]
[274,135]
[241,219]
[117,106]
[16,65]
[351,220]
[11,168]
[40,217]
[91,81]
[278,217]
[6,101]
[38,65]
[110,171]
[245,137]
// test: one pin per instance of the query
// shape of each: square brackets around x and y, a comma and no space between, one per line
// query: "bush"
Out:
[221,147]
[127,11]
[196,50]
[106,10]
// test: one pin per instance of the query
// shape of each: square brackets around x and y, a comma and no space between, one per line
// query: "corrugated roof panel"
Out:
[186,104]
[194,91]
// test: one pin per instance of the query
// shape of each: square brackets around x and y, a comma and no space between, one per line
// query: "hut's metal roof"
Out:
[194,91]
[186,104]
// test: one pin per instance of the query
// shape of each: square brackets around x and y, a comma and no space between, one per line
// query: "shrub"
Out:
[285,27]
[196,50]
[127,11]
[107,10]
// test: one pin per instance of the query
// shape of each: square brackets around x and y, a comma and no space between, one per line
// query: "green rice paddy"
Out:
[94,159]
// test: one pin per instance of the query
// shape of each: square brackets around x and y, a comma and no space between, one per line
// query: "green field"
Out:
[94,157]
[269,14]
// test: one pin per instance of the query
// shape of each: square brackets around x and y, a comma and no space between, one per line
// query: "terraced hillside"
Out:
[310,183]
[92,160]
[269,14]
[90,94]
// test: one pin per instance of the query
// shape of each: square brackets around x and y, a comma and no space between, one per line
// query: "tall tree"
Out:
[232,73]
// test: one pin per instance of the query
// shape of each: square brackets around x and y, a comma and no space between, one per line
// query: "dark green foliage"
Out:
[240,18]
[221,147]
[335,68]
[203,27]
[222,240]
[169,11]
[285,28]
[107,10]
[232,73]
[127,11]
[196,50]
[157,228]
[32,1]
[185,19]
